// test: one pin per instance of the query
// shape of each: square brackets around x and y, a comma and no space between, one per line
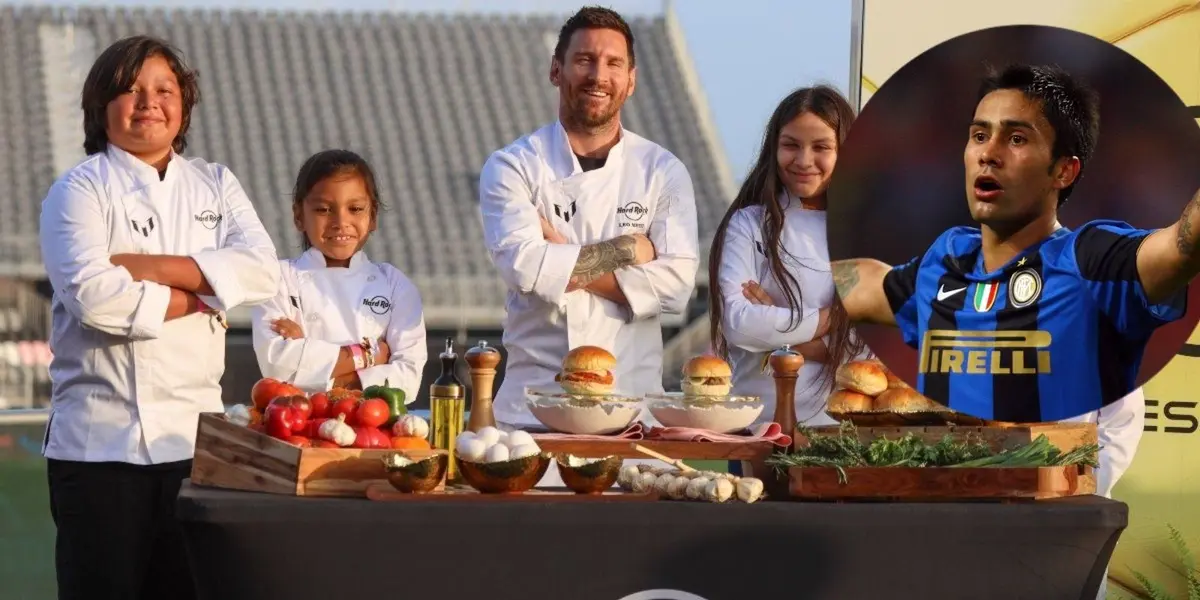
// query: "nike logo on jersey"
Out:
[943,293]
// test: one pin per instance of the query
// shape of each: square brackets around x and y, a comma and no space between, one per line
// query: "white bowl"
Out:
[720,414]
[583,415]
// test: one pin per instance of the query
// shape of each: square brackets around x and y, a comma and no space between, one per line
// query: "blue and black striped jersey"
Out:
[1057,332]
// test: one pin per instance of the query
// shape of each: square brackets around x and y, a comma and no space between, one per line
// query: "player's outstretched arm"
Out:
[1170,258]
[859,283]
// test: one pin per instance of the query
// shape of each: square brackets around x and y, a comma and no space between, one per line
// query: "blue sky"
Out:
[748,54]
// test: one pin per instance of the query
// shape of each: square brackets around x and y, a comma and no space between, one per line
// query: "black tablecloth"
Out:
[261,547]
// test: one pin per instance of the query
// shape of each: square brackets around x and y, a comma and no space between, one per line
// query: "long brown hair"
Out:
[763,187]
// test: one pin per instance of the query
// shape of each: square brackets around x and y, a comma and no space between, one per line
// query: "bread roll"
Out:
[587,371]
[862,376]
[895,383]
[706,375]
[905,400]
[845,401]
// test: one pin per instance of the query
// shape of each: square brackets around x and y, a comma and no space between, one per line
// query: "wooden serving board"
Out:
[384,492]
[1064,436]
[899,419]
[587,448]
[234,457]
[940,483]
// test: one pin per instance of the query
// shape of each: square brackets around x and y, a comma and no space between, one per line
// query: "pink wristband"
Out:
[356,352]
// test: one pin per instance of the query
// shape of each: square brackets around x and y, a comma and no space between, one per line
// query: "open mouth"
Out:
[339,239]
[987,186]
[596,93]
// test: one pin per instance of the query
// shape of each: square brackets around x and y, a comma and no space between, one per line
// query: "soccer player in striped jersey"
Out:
[1022,319]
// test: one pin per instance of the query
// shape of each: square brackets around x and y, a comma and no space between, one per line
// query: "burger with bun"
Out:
[862,376]
[846,401]
[707,376]
[906,400]
[587,371]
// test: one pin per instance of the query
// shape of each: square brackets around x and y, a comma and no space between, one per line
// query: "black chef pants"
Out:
[117,534]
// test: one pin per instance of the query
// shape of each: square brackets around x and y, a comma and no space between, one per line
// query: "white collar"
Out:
[312,259]
[562,148]
[144,173]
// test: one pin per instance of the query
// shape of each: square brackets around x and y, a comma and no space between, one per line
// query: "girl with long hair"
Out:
[769,262]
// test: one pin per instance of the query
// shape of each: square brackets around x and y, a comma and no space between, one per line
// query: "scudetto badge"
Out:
[1024,288]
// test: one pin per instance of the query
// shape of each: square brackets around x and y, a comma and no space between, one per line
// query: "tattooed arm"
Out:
[859,283]
[597,260]
[1169,258]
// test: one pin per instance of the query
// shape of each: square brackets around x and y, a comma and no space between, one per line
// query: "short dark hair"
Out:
[330,163]
[594,17]
[1070,106]
[113,74]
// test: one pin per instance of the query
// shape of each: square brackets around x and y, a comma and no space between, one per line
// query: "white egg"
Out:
[497,453]
[471,449]
[523,451]
[466,435]
[503,439]
[518,438]
[489,435]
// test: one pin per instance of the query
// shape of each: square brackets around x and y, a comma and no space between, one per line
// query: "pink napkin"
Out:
[765,432]
[634,432]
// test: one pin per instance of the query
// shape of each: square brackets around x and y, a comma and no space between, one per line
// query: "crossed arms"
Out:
[132,295]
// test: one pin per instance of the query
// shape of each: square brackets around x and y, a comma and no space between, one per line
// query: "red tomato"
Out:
[267,389]
[370,437]
[281,421]
[320,405]
[345,406]
[372,412]
[299,440]
[312,428]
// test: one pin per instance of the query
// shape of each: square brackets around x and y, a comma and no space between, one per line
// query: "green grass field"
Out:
[26,530]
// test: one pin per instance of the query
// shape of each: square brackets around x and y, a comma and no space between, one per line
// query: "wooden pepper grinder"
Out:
[483,360]
[785,365]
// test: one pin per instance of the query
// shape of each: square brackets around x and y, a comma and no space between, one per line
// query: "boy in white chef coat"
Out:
[144,248]
[592,226]
[340,320]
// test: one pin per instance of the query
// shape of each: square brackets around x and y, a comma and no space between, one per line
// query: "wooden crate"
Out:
[1064,436]
[940,483]
[678,450]
[234,457]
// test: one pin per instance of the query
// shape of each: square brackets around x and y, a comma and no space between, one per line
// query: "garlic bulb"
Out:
[662,483]
[238,414]
[337,431]
[749,489]
[411,426]
[677,490]
[696,487]
[718,490]
[627,475]
[643,483]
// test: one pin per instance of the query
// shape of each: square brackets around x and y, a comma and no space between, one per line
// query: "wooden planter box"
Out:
[1064,436]
[235,457]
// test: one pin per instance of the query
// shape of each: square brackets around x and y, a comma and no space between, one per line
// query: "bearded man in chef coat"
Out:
[592,227]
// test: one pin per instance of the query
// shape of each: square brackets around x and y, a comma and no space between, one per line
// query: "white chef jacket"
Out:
[1119,429]
[754,331]
[642,188]
[337,307]
[128,386]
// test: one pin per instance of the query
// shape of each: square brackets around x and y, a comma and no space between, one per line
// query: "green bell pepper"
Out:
[394,398]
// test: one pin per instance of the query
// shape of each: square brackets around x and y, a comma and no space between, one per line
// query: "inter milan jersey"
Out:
[1057,332]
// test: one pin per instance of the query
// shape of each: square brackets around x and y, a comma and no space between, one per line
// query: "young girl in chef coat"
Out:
[770,262]
[340,320]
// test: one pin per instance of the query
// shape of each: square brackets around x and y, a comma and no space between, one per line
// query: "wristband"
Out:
[356,353]
[370,350]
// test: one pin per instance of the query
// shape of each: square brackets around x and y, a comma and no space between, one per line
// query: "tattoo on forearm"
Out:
[845,276]
[1185,241]
[597,260]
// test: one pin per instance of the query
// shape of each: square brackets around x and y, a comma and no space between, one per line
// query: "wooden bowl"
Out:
[515,476]
[420,476]
[591,478]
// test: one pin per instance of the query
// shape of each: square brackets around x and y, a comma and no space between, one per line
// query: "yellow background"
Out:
[1163,484]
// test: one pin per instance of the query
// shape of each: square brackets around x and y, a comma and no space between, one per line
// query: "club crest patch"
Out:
[1024,288]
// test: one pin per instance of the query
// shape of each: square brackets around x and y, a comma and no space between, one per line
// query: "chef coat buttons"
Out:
[313,317]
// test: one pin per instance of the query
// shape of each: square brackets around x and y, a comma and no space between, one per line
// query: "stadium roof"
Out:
[424,97]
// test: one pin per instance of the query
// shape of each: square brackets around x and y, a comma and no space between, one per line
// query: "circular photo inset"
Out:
[1014,223]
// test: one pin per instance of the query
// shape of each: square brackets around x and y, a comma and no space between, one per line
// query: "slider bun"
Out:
[863,376]
[691,389]
[894,382]
[586,388]
[589,358]
[906,400]
[845,401]
[707,365]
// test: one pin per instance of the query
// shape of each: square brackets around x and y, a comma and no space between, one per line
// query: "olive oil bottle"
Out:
[447,407]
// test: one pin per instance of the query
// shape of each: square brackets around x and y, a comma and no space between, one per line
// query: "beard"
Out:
[583,111]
